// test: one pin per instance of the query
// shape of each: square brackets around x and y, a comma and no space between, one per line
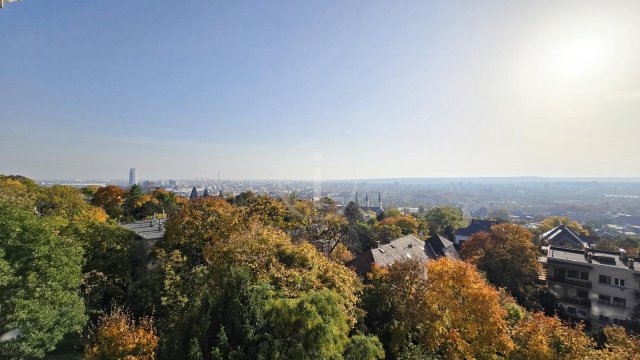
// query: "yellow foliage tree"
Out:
[290,269]
[119,337]
[547,338]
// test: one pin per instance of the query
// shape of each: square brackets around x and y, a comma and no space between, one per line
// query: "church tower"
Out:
[379,200]
[366,199]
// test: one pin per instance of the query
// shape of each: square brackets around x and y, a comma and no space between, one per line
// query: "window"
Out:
[618,282]
[619,302]
[604,299]
[603,279]
[582,313]
[571,310]
[583,294]
[618,321]
[584,275]
[603,319]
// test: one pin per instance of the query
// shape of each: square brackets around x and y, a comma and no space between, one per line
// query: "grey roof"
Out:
[600,257]
[375,209]
[405,248]
[562,234]
[147,229]
[476,226]
[439,246]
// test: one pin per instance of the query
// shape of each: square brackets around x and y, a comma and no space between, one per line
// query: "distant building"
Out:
[597,286]
[405,248]
[367,207]
[461,235]
[133,176]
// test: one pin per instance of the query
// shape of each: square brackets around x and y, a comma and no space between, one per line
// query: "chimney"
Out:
[589,257]
[623,254]
[630,263]
[377,244]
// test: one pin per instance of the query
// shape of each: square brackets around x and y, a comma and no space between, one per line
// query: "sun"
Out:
[578,56]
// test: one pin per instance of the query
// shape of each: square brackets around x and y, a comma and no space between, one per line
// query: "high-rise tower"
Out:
[133,176]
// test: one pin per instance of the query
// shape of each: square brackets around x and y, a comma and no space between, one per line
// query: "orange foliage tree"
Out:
[119,337]
[508,257]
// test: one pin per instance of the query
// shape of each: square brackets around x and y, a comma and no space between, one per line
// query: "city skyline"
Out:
[317,90]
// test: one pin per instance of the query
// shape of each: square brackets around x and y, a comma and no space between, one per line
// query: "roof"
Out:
[375,209]
[405,248]
[147,229]
[476,226]
[438,246]
[564,236]
[599,257]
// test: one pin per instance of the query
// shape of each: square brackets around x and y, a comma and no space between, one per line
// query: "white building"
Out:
[599,286]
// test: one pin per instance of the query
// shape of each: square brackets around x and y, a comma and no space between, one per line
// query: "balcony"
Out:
[575,301]
[575,282]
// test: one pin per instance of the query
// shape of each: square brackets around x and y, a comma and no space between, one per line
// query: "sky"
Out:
[318,89]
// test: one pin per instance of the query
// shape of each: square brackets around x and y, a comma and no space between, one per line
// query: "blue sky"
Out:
[339,90]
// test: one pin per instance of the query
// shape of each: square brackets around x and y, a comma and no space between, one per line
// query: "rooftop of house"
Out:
[476,225]
[405,248]
[600,257]
[438,246]
[561,235]
[147,229]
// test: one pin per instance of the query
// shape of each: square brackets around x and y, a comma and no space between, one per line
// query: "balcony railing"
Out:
[574,282]
[575,301]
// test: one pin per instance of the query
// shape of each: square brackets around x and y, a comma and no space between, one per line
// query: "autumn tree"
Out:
[444,308]
[118,336]
[509,258]
[40,273]
[110,198]
[546,338]
[406,223]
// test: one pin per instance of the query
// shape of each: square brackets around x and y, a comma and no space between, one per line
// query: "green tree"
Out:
[444,220]
[311,326]
[40,273]
[352,213]
[361,347]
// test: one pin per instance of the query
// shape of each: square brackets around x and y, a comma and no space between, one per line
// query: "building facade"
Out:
[596,286]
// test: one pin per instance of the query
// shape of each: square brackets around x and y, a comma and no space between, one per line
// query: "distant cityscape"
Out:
[609,206]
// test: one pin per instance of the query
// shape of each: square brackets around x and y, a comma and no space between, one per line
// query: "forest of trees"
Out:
[238,278]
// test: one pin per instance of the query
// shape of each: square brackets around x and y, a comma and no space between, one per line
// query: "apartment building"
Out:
[601,287]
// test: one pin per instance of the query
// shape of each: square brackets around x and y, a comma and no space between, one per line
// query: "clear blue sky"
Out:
[304,89]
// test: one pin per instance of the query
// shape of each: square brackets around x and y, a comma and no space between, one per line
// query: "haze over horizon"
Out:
[320,90]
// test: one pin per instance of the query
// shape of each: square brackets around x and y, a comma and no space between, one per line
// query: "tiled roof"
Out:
[405,248]
[563,234]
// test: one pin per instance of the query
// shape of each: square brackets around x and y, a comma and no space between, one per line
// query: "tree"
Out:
[386,233]
[361,347]
[555,221]
[311,326]
[110,198]
[133,201]
[407,224]
[444,307]
[198,223]
[444,220]
[120,337]
[619,345]
[352,213]
[40,272]
[509,258]
[467,320]
[546,338]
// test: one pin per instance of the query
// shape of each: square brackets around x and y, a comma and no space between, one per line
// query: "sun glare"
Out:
[578,57]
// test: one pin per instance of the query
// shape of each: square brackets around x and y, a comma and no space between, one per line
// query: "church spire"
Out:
[379,200]
[194,194]
[366,199]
